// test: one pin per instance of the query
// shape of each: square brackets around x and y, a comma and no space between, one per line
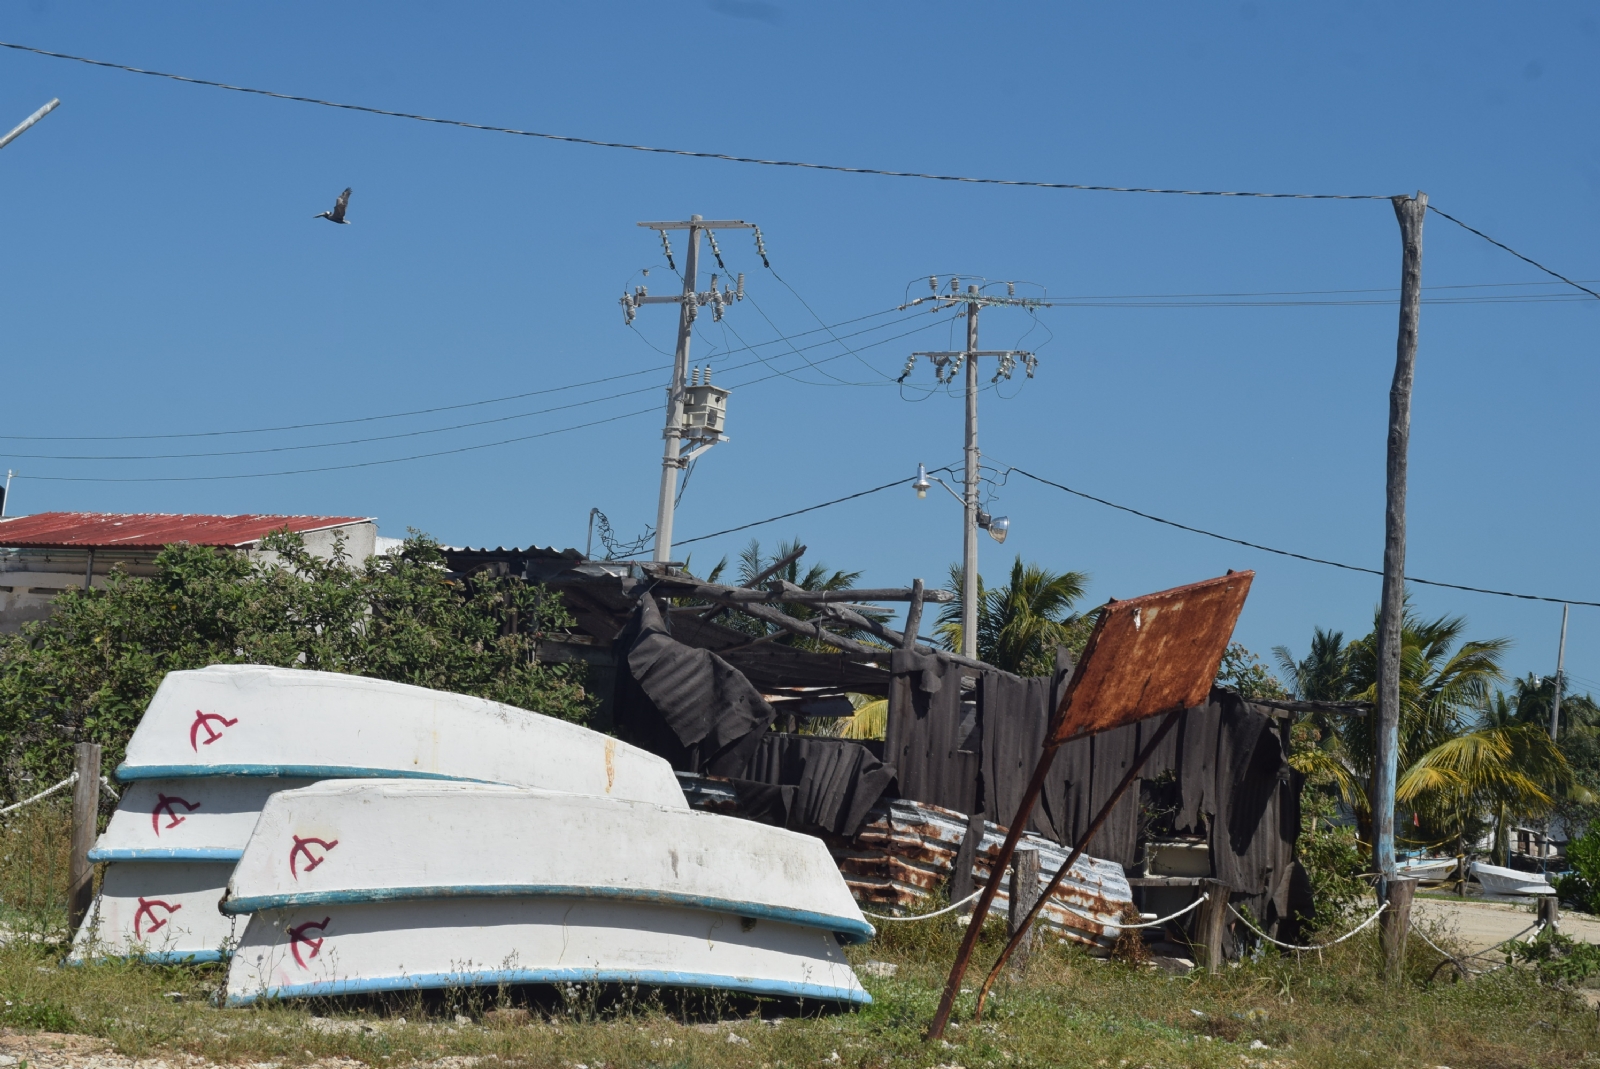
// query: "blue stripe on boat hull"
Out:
[176,853]
[852,930]
[659,978]
[159,957]
[129,773]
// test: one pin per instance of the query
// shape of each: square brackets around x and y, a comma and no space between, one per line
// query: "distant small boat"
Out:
[381,885]
[1501,881]
[1427,868]
[250,720]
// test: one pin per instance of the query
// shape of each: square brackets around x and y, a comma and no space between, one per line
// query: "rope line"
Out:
[1514,252]
[1288,553]
[1292,946]
[1460,962]
[693,154]
[69,781]
[926,916]
[1158,922]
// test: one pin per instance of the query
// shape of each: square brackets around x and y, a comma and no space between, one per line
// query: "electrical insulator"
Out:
[715,251]
[933,284]
[1011,288]
[666,247]
[628,310]
[955,284]
[761,248]
[739,293]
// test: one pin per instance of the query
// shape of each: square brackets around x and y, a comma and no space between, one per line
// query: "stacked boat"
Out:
[376,836]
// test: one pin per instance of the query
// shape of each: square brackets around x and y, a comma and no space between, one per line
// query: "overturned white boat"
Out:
[217,742]
[249,720]
[1502,881]
[387,885]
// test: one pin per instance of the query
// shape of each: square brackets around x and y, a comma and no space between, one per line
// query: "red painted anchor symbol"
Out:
[303,846]
[297,935]
[164,804]
[205,720]
[147,909]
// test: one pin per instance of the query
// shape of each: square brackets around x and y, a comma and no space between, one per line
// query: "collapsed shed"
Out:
[922,806]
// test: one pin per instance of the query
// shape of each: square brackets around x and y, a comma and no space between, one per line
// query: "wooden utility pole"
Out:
[85,818]
[1410,211]
[1395,923]
[969,495]
[1561,664]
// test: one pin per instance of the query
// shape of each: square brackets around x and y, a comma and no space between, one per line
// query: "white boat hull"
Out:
[1502,881]
[1427,868]
[207,818]
[160,911]
[248,720]
[358,841]
[397,946]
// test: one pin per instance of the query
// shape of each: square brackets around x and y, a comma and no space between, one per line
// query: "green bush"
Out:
[88,672]
[1559,958]
[1581,886]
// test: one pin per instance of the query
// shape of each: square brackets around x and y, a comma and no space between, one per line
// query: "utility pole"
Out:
[1410,211]
[5,495]
[1561,663]
[946,365]
[673,459]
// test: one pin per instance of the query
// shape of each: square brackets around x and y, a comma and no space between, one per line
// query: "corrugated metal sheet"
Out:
[907,850]
[154,529]
[1153,654]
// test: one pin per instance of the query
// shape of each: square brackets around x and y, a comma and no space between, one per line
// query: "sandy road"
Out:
[1478,925]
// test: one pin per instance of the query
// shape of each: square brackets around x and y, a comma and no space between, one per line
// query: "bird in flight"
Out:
[337,215]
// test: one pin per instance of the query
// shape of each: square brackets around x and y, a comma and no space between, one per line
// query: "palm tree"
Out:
[1323,675]
[817,576]
[1505,764]
[1533,694]
[1021,624]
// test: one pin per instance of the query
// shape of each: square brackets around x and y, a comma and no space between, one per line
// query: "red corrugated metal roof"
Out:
[154,528]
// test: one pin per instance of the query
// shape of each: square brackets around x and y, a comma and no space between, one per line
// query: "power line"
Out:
[1514,252]
[685,152]
[1288,553]
[796,512]
[439,408]
[331,467]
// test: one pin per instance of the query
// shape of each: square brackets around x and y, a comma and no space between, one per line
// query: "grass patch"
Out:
[1066,1009]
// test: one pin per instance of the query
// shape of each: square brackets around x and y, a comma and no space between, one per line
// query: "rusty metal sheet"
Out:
[906,852]
[1151,655]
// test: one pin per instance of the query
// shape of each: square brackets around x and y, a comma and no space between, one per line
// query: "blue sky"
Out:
[161,274]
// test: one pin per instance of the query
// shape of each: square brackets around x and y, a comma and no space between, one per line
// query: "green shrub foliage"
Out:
[88,672]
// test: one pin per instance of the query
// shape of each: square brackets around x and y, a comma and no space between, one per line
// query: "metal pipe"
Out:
[17,131]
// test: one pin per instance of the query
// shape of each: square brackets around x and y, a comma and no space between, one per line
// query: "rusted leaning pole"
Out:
[1162,652]
[1099,820]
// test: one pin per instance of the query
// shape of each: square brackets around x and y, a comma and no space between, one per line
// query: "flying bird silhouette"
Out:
[337,215]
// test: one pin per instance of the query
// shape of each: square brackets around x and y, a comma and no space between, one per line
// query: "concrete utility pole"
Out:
[673,459]
[1561,664]
[946,365]
[1410,211]
[29,121]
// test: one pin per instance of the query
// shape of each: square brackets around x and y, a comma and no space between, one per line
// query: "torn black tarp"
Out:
[812,784]
[686,704]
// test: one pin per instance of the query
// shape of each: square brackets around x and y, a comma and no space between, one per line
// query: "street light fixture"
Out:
[997,526]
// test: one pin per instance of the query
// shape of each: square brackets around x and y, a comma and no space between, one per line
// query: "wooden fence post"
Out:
[1211,923]
[1549,910]
[85,817]
[1395,923]
[1023,893]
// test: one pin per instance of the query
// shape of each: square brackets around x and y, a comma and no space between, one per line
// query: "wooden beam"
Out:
[85,818]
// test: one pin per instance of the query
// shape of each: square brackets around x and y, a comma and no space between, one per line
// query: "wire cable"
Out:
[1288,553]
[724,157]
[1514,252]
[796,512]
[330,467]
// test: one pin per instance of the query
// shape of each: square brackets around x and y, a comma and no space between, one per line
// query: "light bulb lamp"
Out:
[997,526]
